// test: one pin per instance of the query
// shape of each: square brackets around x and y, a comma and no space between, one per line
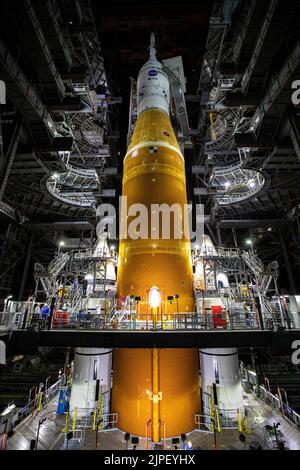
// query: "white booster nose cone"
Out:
[153,88]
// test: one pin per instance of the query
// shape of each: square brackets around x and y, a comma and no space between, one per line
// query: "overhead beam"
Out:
[204,192]
[39,51]
[64,225]
[252,222]
[198,170]
[277,341]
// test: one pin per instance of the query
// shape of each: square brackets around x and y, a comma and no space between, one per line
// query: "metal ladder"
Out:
[58,263]
[120,315]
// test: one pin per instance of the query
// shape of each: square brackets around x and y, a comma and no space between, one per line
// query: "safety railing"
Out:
[84,419]
[283,408]
[5,320]
[40,400]
[92,254]
[241,190]
[203,423]
[234,320]
[74,443]
[218,252]
[220,420]
[211,252]
[229,419]
[58,263]
[90,418]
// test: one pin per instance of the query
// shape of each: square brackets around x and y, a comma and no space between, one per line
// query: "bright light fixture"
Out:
[249,241]
[154,297]
[61,243]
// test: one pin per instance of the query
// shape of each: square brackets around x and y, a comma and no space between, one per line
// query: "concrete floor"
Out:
[48,433]
[259,414]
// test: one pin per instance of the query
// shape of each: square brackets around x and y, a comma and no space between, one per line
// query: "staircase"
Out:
[270,273]
[263,275]
[47,282]
[118,315]
[253,262]
[77,300]
[58,263]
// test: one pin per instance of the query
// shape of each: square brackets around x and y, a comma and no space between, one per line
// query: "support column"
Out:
[254,370]
[155,395]
[234,238]
[26,266]
[92,239]
[219,235]
[9,158]
[67,358]
[1,143]
[287,264]
[52,308]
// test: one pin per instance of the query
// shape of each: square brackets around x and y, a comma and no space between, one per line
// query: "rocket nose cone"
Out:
[153,88]
[152,61]
[152,50]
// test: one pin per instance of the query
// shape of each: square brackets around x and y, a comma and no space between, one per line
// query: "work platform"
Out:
[277,341]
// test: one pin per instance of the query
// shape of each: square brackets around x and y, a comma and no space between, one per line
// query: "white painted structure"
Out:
[153,88]
[221,367]
[90,365]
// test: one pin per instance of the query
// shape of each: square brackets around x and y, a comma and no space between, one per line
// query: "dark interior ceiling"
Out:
[48,50]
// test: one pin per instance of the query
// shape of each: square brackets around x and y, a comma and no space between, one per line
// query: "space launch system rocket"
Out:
[155,391]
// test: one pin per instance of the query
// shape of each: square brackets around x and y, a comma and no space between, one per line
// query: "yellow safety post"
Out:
[106,308]
[155,396]
[212,418]
[212,413]
[40,402]
[74,419]
[246,427]
[240,422]
[100,414]
[218,421]
[65,429]
[94,420]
